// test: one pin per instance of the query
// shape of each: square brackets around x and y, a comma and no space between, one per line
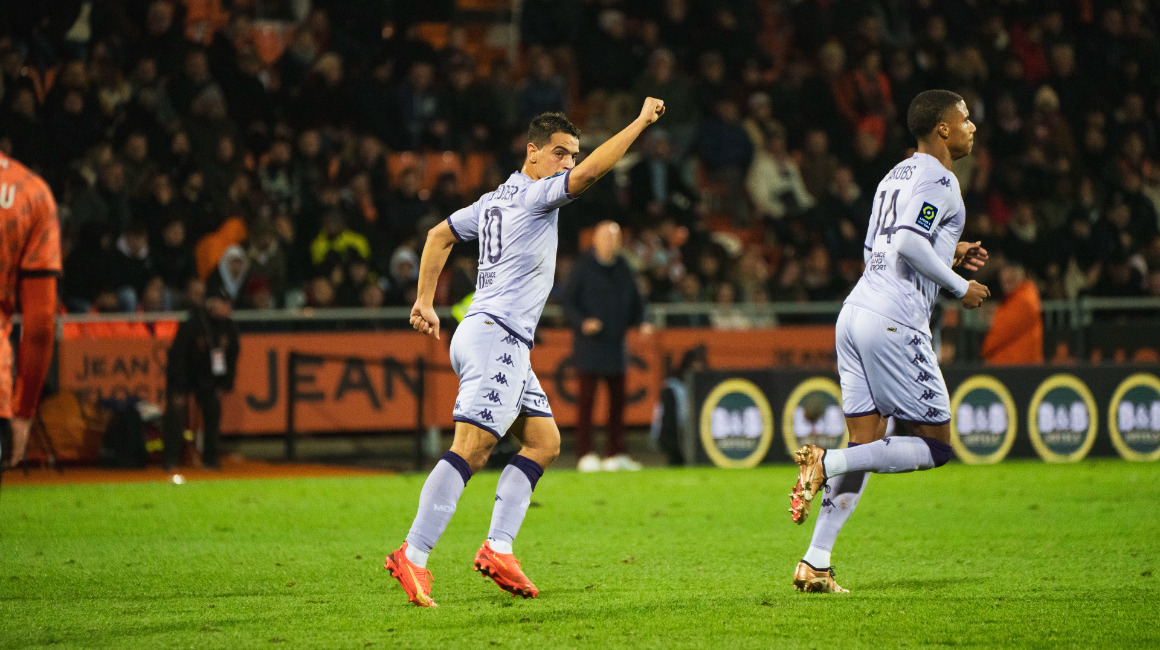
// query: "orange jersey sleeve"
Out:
[29,247]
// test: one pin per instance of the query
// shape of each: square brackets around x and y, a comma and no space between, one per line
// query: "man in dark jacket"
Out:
[202,363]
[602,301]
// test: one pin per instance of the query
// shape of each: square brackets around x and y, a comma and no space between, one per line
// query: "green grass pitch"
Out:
[1015,555]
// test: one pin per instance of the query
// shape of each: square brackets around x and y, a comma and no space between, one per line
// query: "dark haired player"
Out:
[885,359]
[516,226]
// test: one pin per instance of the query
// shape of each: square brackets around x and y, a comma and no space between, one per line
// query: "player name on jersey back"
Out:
[921,196]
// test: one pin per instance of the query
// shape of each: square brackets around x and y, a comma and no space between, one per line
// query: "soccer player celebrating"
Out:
[29,266]
[885,360]
[516,226]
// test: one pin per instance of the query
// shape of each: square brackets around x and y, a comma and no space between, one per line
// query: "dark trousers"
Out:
[615,426]
[176,417]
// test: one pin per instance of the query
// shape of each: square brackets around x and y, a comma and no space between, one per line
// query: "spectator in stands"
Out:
[656,188]
[663,78]
[404,208]
[173,257]
[336,239]
[417,105]
[132,266]
[1016,332]
[724,149]
[775,182]
[817,162]
[229,277]
[86,267]
[107,202]
[543,90]
[267,259]
[725,314]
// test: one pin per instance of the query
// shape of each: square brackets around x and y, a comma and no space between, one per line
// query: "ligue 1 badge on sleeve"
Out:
[813,416]
[1134,417]
[1061,419]
[736,424]
[982,420]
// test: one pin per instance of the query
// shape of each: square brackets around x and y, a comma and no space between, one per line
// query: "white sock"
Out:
[839,498]
[500,546]
[817,558]
[416,557]
[835,464]
[893,455]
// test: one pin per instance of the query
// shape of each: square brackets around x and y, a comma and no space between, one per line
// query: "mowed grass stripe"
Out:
[1020,554]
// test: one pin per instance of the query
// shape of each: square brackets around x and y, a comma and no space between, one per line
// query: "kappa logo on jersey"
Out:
[944,181]
[915,341]
[924,376]
[926,216]
[932,413]
[492,396]
[918,358]
[506,359]
[827,503]
[500,379]
[927,394]
[485,415]
[510,340]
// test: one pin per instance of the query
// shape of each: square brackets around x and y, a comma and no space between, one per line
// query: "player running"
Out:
[29,267]
[516,226]
[885,360]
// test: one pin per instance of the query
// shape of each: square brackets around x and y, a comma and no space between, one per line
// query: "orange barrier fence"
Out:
[369,381]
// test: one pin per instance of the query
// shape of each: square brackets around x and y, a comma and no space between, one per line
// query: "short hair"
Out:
[927,110]
[545,124]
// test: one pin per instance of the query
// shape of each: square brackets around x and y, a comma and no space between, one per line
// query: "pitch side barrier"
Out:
[378,376]
[743,418]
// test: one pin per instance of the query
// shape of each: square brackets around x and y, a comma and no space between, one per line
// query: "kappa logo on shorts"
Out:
[492,396]
[500,379]
[456,405]
[932,413]
[485,415]
[918,358]
[510,340]
[924,376]
[827,503]
[915,340]
[927,394]
[506,359]
[926,216]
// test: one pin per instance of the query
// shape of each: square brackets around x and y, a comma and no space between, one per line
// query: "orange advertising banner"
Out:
[113,368]
[371,381]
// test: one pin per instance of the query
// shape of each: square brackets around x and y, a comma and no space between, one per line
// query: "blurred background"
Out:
[293,153]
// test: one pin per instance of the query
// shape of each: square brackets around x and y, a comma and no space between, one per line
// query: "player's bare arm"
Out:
[970,255]
[440,239]
[600,161]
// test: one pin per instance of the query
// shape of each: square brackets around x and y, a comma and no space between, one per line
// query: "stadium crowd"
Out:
[294,153]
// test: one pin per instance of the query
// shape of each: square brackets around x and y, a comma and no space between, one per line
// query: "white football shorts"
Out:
[496,382]
[888,368]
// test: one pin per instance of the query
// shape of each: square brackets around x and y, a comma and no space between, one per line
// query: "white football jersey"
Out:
[517,228]
[922,196]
